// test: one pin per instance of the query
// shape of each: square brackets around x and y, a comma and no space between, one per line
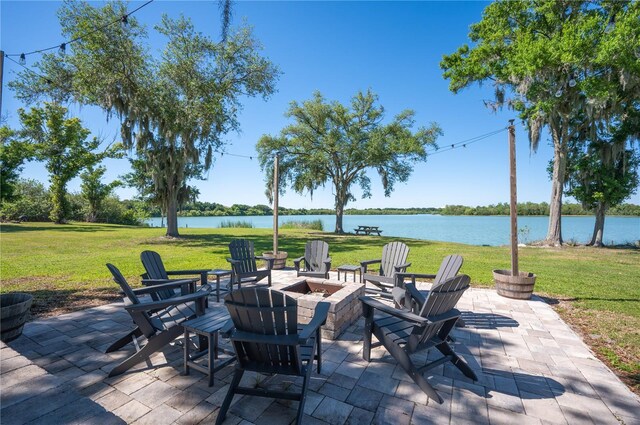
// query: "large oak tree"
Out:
[565,65]
[338,144]
[179,105]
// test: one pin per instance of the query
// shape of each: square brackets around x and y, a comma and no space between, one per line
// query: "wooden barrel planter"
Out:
[280,259]
[517,287]
[14,311]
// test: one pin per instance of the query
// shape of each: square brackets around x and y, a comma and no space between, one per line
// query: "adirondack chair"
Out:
[157,321]
[317,262]
[243,263]
[268,339]
[449,267]
[403,333]
[156,273]
[394,260]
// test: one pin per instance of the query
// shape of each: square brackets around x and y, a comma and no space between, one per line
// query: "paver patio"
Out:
[531,367]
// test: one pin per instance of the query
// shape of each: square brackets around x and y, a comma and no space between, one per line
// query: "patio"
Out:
[532,369]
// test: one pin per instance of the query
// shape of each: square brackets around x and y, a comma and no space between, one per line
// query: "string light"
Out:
[559,93]
[23,59]
[63,48]
[572,81]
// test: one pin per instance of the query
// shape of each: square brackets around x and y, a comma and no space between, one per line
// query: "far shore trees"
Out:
[331,142]
[569,66]
[179,104]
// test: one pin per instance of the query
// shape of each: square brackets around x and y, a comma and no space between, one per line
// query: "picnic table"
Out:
[368,230]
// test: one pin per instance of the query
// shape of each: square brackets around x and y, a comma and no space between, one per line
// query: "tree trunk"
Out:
[554,233]
[60,209]
[598,228]
[172,214]
[339,214]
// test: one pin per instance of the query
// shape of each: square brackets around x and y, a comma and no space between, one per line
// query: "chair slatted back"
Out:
[154,267]
[393,254]
[271,316]
[242,249]
[442,298]
[315,252]
[124,285]
[449,267]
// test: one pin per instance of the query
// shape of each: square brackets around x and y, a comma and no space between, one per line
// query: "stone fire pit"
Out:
[343,297]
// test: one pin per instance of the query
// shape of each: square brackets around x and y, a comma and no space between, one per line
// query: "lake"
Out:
[473,230]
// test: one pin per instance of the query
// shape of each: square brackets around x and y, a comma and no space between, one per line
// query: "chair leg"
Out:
[446,350]
[367,312]
[318,350]
[154,344]
[237,376]
[303,394]
[124,340]
[405,362]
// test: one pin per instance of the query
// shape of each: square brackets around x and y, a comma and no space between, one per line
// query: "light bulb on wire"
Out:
[572,82]
[559,93]
[63,48]
[23,59]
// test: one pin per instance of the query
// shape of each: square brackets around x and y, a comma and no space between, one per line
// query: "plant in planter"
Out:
[514,283]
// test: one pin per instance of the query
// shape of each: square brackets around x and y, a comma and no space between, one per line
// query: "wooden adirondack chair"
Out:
[268,339]
[449,267]
[403,333]
[394,260]
[243,263]
[156,273]
[157,321]
[317,262]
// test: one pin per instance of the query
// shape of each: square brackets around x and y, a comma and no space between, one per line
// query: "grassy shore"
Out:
[597,291]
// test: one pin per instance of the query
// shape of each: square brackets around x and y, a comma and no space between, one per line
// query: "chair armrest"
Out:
[451,314]
[232,261]
[368,262]
[327,260]
[269,260]
[319,319]
[242,336]
[402,314]
[401,267]
[156,305]
[156,285]
[296,262]
[418,275]
[187,272]
[227,329]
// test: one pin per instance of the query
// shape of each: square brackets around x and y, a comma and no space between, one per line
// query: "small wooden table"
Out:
[206,326]
[349,268]
[368,230]
[218,273]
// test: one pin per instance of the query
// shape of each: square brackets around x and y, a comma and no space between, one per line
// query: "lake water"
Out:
[473,230]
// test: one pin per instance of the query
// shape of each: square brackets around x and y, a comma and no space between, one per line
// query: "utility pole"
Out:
[1,77]
[514,200]
[275,205]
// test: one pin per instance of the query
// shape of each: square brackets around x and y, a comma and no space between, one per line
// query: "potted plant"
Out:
[514,283]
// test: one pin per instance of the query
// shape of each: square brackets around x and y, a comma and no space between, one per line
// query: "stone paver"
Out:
[532,369]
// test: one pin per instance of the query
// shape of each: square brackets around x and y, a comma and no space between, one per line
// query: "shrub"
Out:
[303,224]
[236,224]
[31,201]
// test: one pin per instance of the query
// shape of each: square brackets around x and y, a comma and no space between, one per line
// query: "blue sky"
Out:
[338,48]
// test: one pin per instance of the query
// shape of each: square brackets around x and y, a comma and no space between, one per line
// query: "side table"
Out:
[206,326]
[218,273]
[348,268]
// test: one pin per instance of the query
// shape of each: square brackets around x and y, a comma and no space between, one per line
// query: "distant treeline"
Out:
[207,209]
[533,208]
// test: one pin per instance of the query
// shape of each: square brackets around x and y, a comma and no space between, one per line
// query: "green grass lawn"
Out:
[596,290]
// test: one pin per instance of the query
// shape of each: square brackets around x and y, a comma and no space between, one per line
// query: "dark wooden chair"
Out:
[243,264]
[157,321]
[449,267]
[403,332]
[394,260]
[316,260]
[268,339]
[156,273]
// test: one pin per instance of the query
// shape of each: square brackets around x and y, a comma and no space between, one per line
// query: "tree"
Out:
[94,191]
[330,142]
[12,156]
[61,144]
[565,65]
[179,105]
[600,177]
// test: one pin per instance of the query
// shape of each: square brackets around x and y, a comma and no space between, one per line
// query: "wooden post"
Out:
[275,205]
[514,200]
[1,75]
